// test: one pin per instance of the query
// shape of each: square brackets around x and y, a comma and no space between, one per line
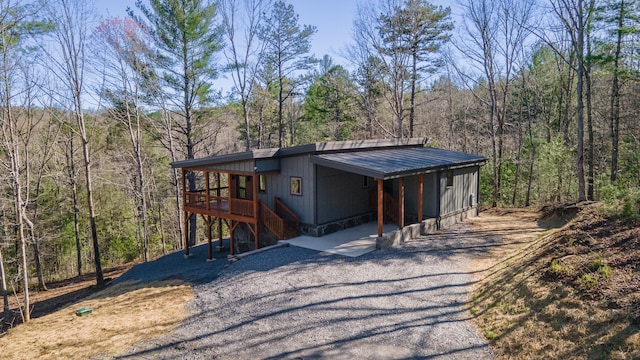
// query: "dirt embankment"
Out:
[569,293]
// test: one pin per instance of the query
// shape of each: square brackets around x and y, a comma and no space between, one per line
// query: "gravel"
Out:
[294,303]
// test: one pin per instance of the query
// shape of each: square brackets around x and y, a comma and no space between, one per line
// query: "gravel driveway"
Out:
[405,302]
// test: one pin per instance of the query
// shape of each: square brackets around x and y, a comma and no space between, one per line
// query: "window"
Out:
[296,185]
[365,182]
[242,187]
[449,178]
[262,183]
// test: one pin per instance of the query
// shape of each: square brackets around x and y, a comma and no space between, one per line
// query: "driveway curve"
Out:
[294,303]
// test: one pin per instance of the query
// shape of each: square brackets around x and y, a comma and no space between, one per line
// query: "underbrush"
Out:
[573,293]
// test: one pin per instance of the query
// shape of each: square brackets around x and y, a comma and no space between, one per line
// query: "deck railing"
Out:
[272,221]
[195,198]
[391,208]
[241,207]
[284,212]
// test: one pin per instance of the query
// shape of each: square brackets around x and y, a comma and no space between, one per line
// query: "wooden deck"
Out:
[218,206]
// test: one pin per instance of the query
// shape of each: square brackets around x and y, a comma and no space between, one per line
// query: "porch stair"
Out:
[281,221]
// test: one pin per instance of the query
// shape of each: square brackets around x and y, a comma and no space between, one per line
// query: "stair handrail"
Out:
[271,220]
[284,212]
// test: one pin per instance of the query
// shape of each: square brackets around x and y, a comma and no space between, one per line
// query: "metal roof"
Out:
[315,148]
[392,163]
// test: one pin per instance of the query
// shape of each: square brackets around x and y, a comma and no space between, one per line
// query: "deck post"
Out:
[380,206]
[231,228]
[186,233]
[256,210]
[420,194]
[186,214]
[219,218]
[209,224]
[401,202]
[206,175]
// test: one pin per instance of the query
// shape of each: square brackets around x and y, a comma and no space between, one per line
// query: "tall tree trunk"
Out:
[590,149]
[582,196]
[414,80]
[89,188]
[615,97]
[3,285]
[71,166]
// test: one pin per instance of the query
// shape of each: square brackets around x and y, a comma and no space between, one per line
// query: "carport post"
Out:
[420,194]
[380,205]
[401,203]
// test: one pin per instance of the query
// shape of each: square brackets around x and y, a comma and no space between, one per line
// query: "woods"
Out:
[95,109]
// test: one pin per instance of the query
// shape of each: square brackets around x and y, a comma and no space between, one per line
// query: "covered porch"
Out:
[230,198]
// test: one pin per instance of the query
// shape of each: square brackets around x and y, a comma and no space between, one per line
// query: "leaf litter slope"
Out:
[570,294]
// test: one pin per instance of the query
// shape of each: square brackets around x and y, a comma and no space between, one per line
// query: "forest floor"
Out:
[569,293]
[59,294]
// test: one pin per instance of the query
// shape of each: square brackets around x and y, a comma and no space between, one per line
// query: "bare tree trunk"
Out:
[590,151]
[89,185]
[71,168]
[615,96]
[3,285]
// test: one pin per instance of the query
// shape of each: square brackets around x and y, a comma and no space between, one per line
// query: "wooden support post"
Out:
[256,210]
[231,228]
[220,232]
[209,224]
[401,202]
[208,206]
[186,214]
[186,233]
[420,194]
[380,206]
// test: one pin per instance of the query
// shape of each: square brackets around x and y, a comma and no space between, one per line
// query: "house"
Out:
[325,187]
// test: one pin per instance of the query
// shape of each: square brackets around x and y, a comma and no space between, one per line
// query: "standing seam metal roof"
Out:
[392,163]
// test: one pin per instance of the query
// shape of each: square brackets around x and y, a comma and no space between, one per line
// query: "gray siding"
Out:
[239,166]
[462,195]
[429,195]
[340,194]
[279,185]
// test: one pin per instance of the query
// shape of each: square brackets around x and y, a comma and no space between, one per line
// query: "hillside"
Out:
[572,293]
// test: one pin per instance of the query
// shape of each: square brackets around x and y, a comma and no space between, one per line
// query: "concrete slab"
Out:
[351,242]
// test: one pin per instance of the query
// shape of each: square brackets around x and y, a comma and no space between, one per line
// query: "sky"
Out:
[333,18]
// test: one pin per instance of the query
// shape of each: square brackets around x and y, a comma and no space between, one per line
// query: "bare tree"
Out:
[574,16]
[118,47]
[494,38]
[71,19]
[244,51]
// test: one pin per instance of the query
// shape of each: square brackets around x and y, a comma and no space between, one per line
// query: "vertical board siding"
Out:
[278,185]
[340,194]
[430,195]
[238,166]
[462,195]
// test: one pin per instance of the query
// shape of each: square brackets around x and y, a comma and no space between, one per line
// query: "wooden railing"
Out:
[284,212]
[391,207]
[195,198]
[241,207]
[272,221]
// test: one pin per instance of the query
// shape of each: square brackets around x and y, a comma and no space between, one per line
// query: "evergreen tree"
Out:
[187,39]
[287,46]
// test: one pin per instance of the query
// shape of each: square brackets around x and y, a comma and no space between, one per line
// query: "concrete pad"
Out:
[351,242]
